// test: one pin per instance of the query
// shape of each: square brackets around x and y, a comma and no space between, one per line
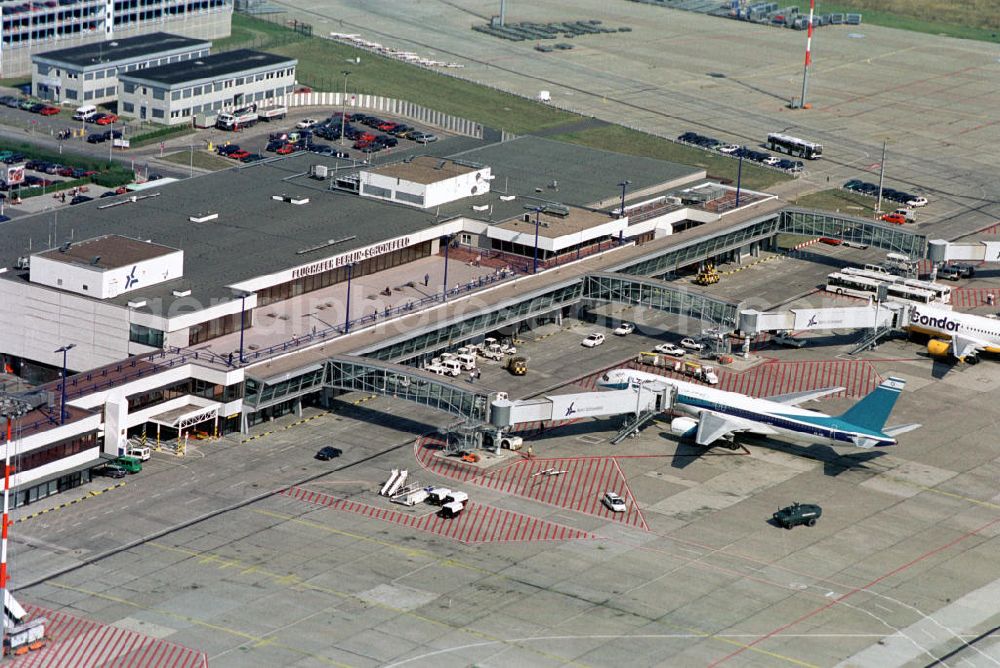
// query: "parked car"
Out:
[670,349]
[917,201]
[796,514]
[624,329]
[894,218]
[306,123]
[112,470]
[238,155]
[80,199]
[771,161]
[691,344]
[106,119]
[285,149]
[423,137]
[593,340]
[49,110]
[328,452]
[614,502]
[96,138]
[728,149]
[949,272]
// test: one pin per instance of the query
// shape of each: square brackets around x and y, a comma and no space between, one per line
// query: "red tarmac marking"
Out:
[478,523]
[82,643]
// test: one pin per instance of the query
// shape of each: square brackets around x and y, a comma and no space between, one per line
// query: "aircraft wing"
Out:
[712,426]
[796,398]
[963,345]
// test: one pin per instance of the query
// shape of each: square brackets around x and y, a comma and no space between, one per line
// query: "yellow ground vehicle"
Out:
[707,276]
[518,366]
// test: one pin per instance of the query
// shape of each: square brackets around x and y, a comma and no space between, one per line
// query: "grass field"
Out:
[200,159]
[964,19]
[843,201]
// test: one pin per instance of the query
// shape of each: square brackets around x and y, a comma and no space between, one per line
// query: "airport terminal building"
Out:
[180,268]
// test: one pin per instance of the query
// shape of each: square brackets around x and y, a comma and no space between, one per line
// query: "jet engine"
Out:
[684,427]
[939,348]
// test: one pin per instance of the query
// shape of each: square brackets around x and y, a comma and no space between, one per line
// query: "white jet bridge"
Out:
[879,318]
[940,251]
[639,404]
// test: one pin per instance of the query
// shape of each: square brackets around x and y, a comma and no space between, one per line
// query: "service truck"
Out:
[272,114]
[240,118]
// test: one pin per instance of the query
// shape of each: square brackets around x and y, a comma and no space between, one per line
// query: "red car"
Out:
[106,119]
[284,150]
[388,126]
[65,171]
[238,155]
[49,111]
[895,218]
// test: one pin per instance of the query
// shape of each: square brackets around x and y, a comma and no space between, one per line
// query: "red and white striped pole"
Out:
[805,72]
[6,523]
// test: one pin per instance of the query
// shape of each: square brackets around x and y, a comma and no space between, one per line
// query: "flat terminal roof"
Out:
[552,226]
[425,169]
[256,235]
[123,50]
[209,67]
[111,251]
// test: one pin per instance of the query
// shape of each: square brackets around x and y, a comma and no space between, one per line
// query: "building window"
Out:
[109,92]
[89,76]
[70,94]
[147,336]
[128,107]
[227,324]
[128,87]
[159,94]
[197,90]
[157,113]
[187,93]
[175,95]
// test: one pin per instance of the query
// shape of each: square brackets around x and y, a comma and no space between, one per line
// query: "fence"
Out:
[389,106]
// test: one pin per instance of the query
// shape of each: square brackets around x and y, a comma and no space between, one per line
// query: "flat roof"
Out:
[123,50]
[552,226]
[209,67]
[425,169]
[256,235]
[111,251]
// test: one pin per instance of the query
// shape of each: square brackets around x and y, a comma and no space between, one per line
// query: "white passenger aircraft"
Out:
[965,334]
[708,415]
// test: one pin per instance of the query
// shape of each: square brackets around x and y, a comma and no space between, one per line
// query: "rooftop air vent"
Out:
[481,207]
[203,217]
[288,199]
[182,293]
[136,303]
[94,261]
[508,198]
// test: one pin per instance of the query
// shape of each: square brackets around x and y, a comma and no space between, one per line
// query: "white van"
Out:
[85,113]
[438,495]
[450,510]
[139,451]
[457,497]
[452,367]
[466,361]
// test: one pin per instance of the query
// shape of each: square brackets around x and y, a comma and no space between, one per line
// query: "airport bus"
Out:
[942,293]
[867,288]
[794,146]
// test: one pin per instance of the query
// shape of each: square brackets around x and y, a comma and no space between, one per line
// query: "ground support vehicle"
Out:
[796,514]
